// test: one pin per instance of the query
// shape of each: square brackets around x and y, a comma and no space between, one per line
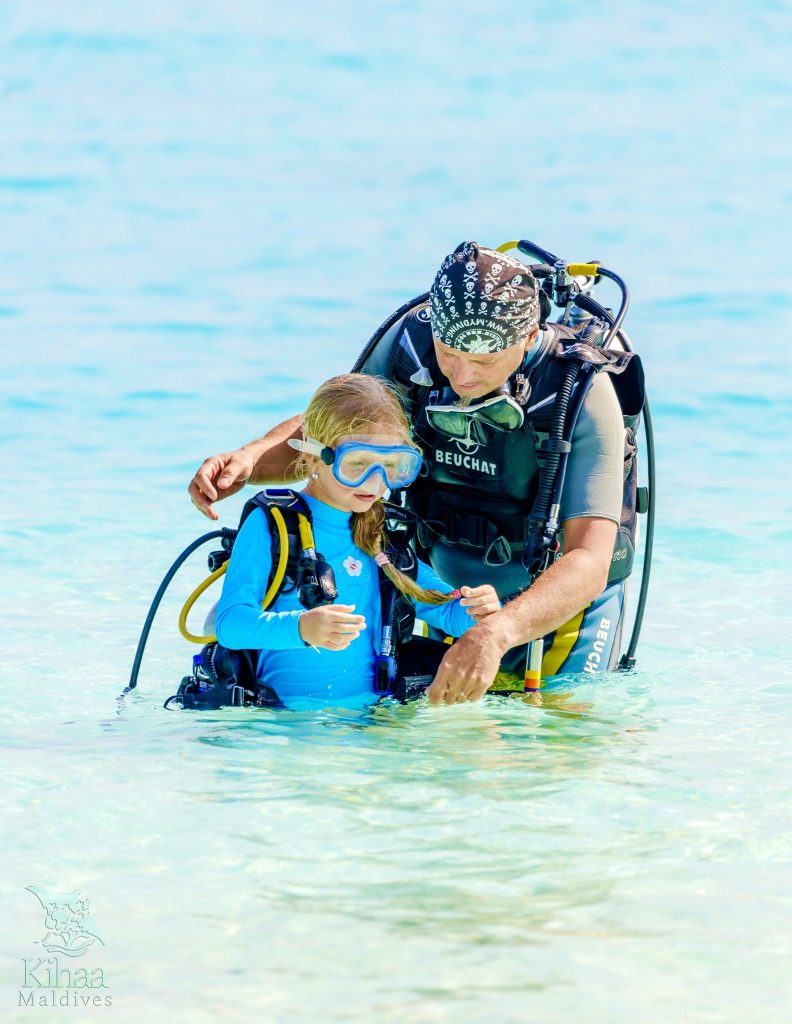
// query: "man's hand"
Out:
[219,477]
[332,626]
[267,460]
[469,667]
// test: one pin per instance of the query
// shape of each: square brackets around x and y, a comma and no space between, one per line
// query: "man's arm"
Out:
[572,582]
[267,460]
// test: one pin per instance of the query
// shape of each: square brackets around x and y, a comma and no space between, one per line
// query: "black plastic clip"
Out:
[552,447]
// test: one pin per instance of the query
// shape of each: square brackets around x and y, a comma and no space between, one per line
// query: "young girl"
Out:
[356,444]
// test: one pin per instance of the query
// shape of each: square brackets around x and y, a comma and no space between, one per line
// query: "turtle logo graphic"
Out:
[467,445]
[70,928]
[475,438]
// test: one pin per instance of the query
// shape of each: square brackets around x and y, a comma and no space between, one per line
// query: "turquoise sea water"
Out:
[206,209]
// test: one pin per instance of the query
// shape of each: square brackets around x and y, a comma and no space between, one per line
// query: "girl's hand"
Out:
[480,601]
[333,626]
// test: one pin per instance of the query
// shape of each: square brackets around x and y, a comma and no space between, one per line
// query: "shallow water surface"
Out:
[205,214]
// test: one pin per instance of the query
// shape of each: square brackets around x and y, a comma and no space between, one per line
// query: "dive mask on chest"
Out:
[500,411]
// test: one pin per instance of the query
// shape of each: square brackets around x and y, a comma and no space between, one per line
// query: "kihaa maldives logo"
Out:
[69,932]
[71,929]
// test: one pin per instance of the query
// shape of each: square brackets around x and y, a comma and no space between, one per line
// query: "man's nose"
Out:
[462,374]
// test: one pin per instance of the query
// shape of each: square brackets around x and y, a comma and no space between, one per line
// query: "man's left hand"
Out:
[469,668]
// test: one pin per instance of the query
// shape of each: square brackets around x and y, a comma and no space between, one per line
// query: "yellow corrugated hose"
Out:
[272,590]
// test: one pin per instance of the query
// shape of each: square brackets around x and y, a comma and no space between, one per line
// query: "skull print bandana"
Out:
[483,301]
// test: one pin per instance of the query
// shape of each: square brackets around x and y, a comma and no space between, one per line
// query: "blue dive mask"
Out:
[354,462]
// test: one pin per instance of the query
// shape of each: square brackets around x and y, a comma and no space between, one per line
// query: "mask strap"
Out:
[310,446]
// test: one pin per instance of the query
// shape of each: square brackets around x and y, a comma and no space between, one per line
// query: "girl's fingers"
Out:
[480,601]
[475,595]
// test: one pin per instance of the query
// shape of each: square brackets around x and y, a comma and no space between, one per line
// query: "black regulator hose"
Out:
[628,658]
[584,382]
[555,442]
[554,447]
[536,251]
[625,292]
[225,532]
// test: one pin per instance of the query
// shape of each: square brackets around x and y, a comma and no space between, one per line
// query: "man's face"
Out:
[472,375]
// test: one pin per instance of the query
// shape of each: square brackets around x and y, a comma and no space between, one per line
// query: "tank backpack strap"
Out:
[286,501]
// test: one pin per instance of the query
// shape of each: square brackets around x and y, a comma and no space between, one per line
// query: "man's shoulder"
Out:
[601,399]
[402,351]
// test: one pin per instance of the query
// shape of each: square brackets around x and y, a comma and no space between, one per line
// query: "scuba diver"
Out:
[335,628]
[529,480]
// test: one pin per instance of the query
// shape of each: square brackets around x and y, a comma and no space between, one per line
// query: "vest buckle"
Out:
[498,553]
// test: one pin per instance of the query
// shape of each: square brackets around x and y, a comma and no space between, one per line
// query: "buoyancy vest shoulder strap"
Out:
[288,502]
[284,498]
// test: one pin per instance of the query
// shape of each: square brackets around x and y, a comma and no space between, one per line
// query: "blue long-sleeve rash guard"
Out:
[300,675]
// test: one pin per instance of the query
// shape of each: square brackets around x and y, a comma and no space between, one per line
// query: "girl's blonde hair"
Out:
[357,403]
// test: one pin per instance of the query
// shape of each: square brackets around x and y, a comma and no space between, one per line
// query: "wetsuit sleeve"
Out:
[594,481]
[240,623]
[452,618]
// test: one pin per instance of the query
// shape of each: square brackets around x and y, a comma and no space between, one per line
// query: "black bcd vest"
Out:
[479,494]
